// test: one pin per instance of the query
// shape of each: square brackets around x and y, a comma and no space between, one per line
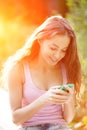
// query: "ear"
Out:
[39,41]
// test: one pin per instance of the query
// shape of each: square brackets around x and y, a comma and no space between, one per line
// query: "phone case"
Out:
[69,85]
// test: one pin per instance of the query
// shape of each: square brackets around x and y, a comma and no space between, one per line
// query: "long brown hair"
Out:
[50,27]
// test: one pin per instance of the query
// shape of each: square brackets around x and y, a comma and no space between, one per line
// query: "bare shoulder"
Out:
[16,72]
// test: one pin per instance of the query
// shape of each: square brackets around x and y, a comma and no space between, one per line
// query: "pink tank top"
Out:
[48,114]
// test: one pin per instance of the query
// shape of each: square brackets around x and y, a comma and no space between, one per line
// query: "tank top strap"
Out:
[64,73]
[26,71]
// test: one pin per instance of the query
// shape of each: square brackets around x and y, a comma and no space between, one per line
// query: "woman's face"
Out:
[54,49]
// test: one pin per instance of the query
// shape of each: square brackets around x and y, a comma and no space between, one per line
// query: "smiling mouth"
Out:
[54,60]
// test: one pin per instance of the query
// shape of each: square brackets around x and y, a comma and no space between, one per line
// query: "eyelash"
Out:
[52,48]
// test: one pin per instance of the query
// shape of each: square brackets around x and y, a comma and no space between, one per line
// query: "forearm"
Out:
[22,114]
[69,110]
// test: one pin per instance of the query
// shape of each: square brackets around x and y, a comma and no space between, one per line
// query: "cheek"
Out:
[47,49]
[63,55]
[44,51]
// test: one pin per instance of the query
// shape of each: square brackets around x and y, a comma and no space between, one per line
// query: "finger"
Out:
[70,90]
[55,87]
[59,92]
[57,101]
[58,96]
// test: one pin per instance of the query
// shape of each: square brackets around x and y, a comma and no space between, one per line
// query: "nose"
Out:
[57,55]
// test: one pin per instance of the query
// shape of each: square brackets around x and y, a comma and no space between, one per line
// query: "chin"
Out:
[53,63]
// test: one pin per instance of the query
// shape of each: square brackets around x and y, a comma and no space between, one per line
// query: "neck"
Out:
[41,64]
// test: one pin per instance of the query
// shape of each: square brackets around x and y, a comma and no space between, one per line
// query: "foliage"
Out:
[78,17]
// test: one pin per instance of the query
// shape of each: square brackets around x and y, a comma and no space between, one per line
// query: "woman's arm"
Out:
[20,115]
[69,106]
[15,85]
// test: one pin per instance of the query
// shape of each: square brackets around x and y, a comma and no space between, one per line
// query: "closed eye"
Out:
[53,48]
[64,51]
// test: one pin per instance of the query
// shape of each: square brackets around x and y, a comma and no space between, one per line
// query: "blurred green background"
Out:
[19,18]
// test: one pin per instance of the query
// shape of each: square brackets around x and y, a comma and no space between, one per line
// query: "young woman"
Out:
[35,73]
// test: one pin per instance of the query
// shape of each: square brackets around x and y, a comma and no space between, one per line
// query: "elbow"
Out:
[15,118]
[15,121]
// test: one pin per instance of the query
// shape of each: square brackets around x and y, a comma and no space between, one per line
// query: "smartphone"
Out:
[69,85]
